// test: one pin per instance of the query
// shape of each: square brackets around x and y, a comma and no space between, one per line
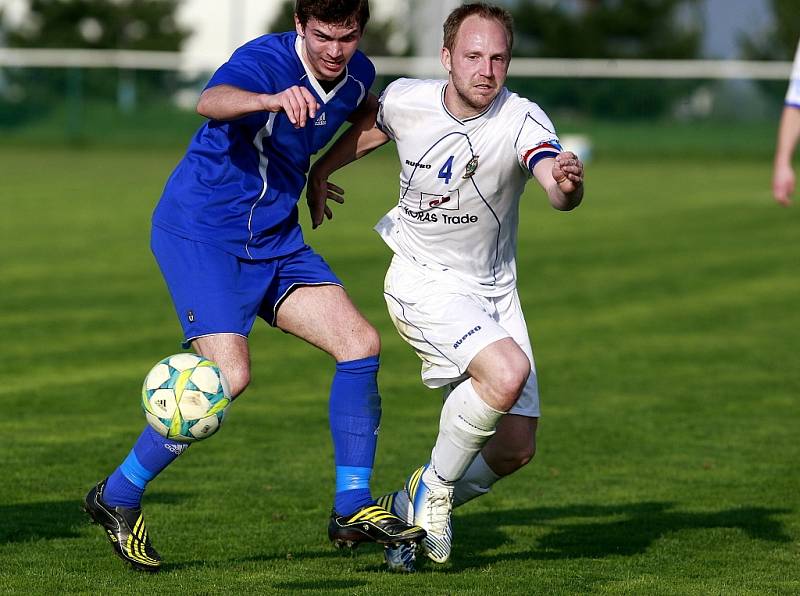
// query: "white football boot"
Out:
[431,507]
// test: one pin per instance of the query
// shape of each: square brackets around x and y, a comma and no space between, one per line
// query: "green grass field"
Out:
[665,319]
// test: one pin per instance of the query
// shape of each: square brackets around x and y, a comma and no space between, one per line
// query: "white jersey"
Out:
[461,181]
[793,94]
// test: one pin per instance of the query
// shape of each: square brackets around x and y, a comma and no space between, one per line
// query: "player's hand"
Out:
[298,103]
[783,183]
[318,192]
[568,172]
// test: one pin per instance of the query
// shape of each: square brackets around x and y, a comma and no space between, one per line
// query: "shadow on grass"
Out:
[566,532]
[580,531]
[245,562]
[56,519]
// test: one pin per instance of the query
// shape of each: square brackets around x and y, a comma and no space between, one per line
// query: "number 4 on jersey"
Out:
[446,171]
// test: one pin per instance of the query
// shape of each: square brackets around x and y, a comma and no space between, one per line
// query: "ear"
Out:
[446,59]
[298,27]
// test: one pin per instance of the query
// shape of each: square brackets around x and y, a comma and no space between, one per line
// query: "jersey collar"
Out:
[471,118]
[323,95]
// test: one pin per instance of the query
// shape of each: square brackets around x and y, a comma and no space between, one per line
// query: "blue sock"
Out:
[355,414]
[149,456]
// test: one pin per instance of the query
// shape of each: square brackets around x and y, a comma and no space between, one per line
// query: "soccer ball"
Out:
[185,397]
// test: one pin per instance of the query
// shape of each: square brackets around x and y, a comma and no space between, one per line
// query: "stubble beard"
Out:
[478,102]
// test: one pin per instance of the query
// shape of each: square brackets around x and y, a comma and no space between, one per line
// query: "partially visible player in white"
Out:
[783,176]
[467,147]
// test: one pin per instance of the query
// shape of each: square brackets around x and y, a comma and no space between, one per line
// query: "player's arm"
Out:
[783,177]
[360,139]
[562,179]
[226,102]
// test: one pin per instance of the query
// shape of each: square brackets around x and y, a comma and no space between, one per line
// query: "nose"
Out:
[485,68]
[335,49]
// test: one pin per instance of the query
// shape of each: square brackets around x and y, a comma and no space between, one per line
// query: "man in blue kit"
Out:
[227,239]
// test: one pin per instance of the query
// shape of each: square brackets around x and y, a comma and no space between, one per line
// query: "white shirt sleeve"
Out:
[536,139]
[793,93]
[387,108]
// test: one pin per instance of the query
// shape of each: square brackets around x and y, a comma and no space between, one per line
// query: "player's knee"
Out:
[509,381]
[514,458]
[524,454]
[525,449]
[363,343]
[371,341]
[521,458]
[238,377]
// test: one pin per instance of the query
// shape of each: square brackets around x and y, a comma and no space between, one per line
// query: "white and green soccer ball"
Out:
[185,397]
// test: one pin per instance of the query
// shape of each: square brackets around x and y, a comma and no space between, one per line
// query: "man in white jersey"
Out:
[467,146]
[783,177]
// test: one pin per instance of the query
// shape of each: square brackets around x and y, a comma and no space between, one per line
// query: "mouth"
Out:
[334,65]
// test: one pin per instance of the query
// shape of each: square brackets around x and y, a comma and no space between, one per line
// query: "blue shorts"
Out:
[216,292]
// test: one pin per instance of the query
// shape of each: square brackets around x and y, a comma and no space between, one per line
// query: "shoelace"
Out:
[438,509]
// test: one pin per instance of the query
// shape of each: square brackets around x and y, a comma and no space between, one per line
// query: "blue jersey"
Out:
[238,185]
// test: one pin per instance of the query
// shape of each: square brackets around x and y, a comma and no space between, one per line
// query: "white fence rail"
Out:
[428,67]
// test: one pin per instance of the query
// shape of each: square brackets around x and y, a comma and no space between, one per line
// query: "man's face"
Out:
[478,63]
[328,48]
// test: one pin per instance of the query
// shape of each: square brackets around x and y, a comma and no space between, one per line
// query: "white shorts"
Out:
[447,326]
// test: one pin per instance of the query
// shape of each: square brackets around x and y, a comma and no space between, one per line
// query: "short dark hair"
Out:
[486,11]
[333,11]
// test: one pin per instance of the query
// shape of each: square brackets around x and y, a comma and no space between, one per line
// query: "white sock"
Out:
[476,481]
[465,425]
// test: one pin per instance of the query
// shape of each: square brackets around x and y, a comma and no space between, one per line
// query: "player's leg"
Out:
[512,447]
[324,316]
[474,408]
[231,353]
[214,323]
[152,453]
[514,443]
[456,334]
[216,330]
[469,419]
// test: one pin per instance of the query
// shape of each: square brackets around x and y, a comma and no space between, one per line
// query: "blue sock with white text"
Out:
[355,415]
[149,456]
